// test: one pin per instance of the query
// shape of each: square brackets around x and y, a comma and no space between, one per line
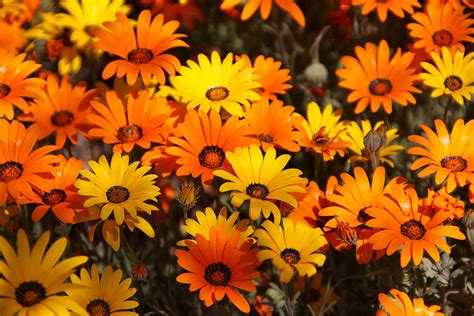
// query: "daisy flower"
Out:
[402,223]
[216,83]
[272,125]
[262,180]
[250,7]
[11,36]
[218,267]
[138,122]
[400,304]
[14,84]
[273,79]
[376,79]
[83,16]
[142,50]
[397,7]
[27,291]
[322,131]
[119,187]
[105,294]
[11,7]
[451,75]
[208,219]
[58,194]
[441,26]
[205,140]
[21,167]
[62,109]
[291,246]
[356,135]
[449,155]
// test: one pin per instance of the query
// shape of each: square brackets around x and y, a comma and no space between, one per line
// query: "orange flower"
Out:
[59,194]
[14,86]
[187,12]
[21,167]
[403,223]
[272,125]
[442,201]
[450,156]
[251,7]
[441,26]
[313,201]
[402,305]
[204,142]
[395,6]
[136,123]
[217,267]
[11,36]
[350,203]
[163,163]
[376,79]
[63,109]
[141,52]
[273,79]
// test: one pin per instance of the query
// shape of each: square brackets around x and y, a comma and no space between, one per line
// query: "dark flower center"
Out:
[217,274]
[62,118]
[442,37]
[380,86]
[30,293]
[265,138]
[413,230]
[320,137]
[54,197]
[140,56]
[363,216]
[211,157]
[117,194]
[4,90]
[217,93]
[454,163]
[98,308]
[10,170]
[290,255]
[381,1]
[257,190]
[453,83]
[129,133]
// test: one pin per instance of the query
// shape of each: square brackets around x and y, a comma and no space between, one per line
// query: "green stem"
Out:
[446,110]
[288,303]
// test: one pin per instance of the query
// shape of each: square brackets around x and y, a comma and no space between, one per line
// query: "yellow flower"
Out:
[216,83]
[106,295]
[453,75]
[356,136]
[11,7]
[262,180]
[208,219]
[293,245]
[118,187]
[322,131]
[85,15]
[32,281]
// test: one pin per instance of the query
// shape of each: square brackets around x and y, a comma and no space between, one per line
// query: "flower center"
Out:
[380,86]
[54,197]
[265,138]
[413,230]
[4,90]
[117,194]
[320,137]
[442,37]
[62,118]
[453,83]
[454,163]
[363,216]
[129,133]
[257,190]
[10,170]
[290,255]
[140,56]
[98,308]
[382,1]
[217,93]
[217,274]
[211,157]
[30,293]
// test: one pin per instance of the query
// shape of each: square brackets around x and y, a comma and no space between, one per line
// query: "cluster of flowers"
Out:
[219,122]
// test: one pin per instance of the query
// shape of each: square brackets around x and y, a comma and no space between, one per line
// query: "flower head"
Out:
[397,7]
[400,304]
